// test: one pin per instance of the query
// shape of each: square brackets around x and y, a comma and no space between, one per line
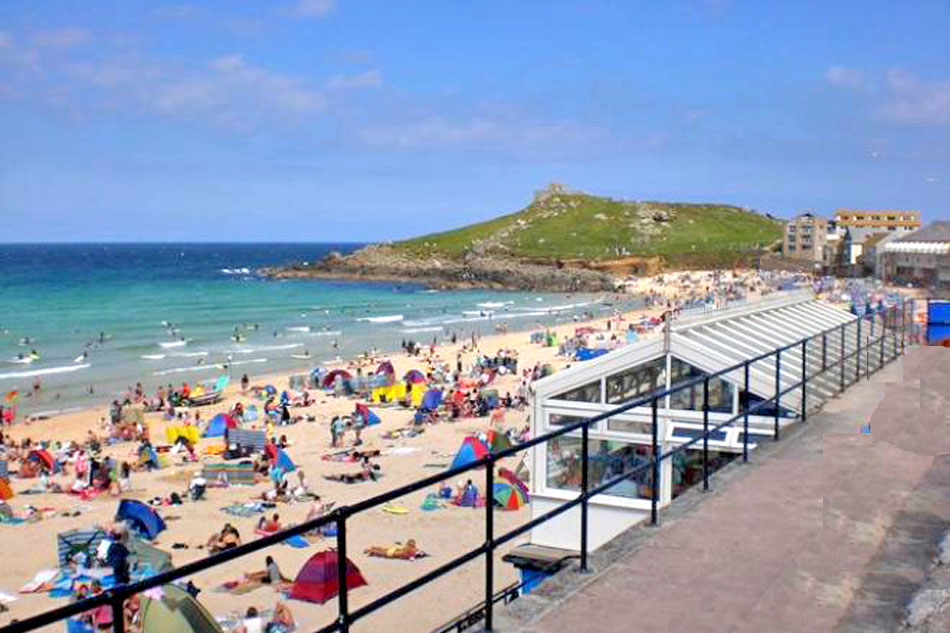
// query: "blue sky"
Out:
[321,120]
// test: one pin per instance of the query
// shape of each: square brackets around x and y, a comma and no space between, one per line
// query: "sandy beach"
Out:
[443,534]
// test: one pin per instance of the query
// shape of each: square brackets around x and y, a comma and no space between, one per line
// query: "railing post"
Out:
[706,434]
[343,608]
[745,416]
[118,613]
[778,390]
[654,518]
[857,356]
[804,379]
[490,541]
[903,323]
[894,331]
[881,366]
[584,487]
[824,351]
[842,356]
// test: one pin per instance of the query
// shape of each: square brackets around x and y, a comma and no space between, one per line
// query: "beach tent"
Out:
[142,553]
[508,496]
[370,417]
[414,376]
[176,611]
[148,456]
[219,424]
[471,450]
[6,492]
[73,542]
[330,379]
[586,353]
[222,383]
[432,399]
[318,580]
[386,367]
[498,441]
[141,517]
[42,457]
[190,433]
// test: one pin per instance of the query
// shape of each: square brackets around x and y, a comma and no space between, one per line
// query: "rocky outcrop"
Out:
[474,270]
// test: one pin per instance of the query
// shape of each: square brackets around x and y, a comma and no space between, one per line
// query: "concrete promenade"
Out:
[827,530]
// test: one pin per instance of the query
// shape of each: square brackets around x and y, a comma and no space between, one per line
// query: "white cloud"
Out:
[912,100]
[847,77]
[313,8]
[65,37]
[476,132]
[368,79]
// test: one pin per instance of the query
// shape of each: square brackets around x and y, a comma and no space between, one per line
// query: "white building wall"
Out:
[604,522]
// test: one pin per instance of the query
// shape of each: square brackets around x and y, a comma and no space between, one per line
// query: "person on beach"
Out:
[245,383]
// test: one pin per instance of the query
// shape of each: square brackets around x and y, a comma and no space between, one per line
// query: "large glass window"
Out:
[586,393]
[637,381]
[688,467]
[691,399]
[559,419]
[607,459]
[643,427]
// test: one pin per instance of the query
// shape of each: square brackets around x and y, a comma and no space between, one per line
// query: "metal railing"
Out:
[894,325]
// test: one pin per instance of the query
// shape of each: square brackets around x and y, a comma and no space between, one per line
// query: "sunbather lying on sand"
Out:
[368,472]
[227,538]
[409,551]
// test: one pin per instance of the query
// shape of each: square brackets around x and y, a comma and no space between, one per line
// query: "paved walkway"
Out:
[828,530]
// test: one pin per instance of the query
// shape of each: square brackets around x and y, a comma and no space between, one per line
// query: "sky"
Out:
[370,120]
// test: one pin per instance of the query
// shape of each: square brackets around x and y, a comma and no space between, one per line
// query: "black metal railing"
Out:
[894,324]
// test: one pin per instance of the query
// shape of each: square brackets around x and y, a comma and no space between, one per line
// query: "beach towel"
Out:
[430,503]
[40,581]
[394,552]
[244,510]
[394,508]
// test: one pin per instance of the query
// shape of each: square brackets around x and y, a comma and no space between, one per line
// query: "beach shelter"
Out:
[73,542]
[222,383]
[498,441]
[330,379]
[414,376]
[280,458]
[176,611]
[508,496]
[42,457]
[386,367]
[270,390]
[470,451]
[142,553]
[141,517]
[6,492]
[219,424]
[432,399]
[368,415]
[318,580]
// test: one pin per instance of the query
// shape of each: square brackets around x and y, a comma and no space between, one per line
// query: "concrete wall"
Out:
[604,523]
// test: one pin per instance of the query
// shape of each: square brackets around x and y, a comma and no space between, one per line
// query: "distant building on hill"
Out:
[875,221]
[921,258]
[806,237]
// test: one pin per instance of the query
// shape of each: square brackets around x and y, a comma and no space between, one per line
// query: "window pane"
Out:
[691,399]
[557,419]
[688,467]
[630,426]
[767,410]
[607,459]
[587,393]
[637,381]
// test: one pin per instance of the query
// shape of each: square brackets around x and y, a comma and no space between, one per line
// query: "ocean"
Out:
[102,317]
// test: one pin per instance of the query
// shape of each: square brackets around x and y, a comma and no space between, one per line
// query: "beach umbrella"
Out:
[73,542]
[432,399]
[175,611]
[507,496]
[330,379]
[318,580]
[144,553]
[514,480]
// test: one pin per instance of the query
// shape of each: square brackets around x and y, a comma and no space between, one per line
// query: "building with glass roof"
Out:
[692,346]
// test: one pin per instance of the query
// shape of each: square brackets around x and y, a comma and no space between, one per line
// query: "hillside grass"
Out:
[581,226]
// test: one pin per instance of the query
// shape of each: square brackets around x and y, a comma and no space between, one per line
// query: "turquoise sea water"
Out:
[110,301]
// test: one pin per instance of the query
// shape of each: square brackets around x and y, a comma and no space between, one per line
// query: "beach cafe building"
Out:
[692,346]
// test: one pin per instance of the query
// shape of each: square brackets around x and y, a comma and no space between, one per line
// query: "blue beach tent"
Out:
[432,399]
[284,462]
[471,450]
[142,518]
[217,426]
